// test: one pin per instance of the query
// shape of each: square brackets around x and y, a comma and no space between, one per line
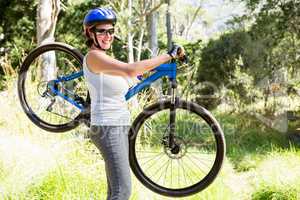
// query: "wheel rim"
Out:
[187,170]
[63,114]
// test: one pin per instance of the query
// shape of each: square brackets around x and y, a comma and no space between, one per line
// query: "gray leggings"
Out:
[112,141]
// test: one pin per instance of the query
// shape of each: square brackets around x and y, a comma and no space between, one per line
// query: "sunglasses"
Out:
[101,31]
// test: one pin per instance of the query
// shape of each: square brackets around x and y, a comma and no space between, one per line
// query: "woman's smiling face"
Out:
[105,35]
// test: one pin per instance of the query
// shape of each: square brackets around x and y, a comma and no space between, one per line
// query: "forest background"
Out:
[244,62]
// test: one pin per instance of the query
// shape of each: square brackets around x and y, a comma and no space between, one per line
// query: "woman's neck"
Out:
[95,48]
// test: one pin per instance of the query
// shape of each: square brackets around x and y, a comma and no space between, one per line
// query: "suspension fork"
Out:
[172,113]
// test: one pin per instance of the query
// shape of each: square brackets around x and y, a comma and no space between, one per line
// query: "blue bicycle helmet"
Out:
[97,15]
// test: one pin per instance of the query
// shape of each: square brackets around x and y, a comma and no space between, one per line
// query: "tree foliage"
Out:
[17,24]
[269,45]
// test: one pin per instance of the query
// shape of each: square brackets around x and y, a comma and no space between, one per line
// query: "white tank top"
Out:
[107,92]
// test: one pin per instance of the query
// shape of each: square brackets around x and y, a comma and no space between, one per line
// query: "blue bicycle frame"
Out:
[168,69]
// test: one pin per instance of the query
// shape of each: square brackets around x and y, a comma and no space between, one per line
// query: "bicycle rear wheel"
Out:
[195,160]
[45,109]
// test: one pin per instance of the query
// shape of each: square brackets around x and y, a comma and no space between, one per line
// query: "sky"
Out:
[217,12]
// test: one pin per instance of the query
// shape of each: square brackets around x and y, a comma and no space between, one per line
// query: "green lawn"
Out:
[261,164]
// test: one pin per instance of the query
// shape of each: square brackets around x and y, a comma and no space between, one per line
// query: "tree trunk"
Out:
[168,24]
[152,29]
[140,46]
[47,12]
[192,21]
[130,35]
[169,32]
[153,43]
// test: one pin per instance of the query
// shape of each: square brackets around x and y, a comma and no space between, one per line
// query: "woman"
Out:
[106,79]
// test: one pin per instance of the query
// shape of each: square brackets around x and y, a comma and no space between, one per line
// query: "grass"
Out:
[249,140]
[261,163]
[279,177]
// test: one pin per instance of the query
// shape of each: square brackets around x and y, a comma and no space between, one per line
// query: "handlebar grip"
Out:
[140,77]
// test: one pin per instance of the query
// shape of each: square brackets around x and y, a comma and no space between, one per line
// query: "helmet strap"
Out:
[96,42]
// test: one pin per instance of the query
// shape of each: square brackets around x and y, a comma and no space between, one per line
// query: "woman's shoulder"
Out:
[99,61]
[96,52]
[97,56]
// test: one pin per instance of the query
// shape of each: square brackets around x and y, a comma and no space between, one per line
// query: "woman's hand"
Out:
[177,51]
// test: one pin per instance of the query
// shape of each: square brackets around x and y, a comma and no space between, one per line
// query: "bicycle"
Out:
[160,138]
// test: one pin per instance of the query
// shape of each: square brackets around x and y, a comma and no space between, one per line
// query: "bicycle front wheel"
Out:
[45,109]
[195,160]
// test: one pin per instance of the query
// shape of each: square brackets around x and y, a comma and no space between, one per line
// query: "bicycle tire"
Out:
[34,54]
[160,188]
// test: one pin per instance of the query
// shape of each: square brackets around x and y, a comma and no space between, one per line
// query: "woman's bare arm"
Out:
[100,62]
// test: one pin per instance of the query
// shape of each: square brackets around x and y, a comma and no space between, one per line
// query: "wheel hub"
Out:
[178,150]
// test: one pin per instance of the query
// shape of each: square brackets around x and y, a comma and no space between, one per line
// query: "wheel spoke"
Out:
[149,167]
[163,171]
[159,169]
[148,151]
[153,158]
[201,161]
[185,173]
[143,157]
[171,171]
[192,162]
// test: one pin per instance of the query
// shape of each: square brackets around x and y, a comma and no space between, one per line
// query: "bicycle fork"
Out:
[172,115]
